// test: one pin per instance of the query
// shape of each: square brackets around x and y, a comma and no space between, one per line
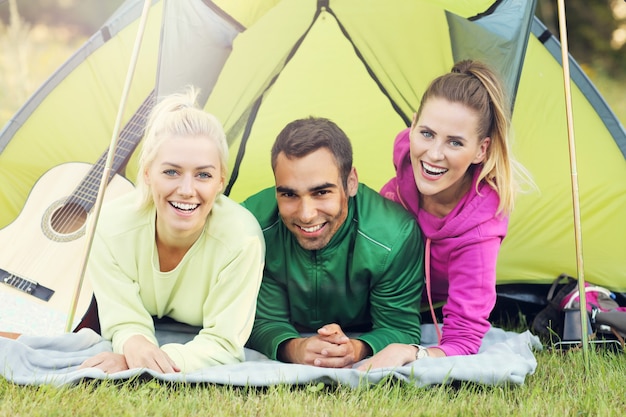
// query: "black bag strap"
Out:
[569,286]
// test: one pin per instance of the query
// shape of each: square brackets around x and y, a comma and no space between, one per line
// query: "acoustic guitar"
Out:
[41,250]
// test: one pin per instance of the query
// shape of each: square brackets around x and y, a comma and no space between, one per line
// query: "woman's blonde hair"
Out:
[476,86]
[178,115]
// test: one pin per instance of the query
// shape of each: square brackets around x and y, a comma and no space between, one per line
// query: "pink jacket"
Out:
[463,253]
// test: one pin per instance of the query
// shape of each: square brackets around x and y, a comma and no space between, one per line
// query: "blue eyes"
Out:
[427,134]
[201,175]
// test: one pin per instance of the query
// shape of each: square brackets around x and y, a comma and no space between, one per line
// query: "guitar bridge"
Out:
[25,285]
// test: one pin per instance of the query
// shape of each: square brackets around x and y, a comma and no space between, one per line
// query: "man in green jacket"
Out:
[341,260]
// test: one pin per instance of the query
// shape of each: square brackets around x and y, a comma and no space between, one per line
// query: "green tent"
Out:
[361,63]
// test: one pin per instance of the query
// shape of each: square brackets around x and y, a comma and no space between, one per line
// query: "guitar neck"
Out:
[86,192]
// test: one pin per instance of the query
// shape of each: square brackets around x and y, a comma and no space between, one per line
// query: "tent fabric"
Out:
[510,26]
[194,52]
[591,93]
[363,64]
[541,239]
[350,72]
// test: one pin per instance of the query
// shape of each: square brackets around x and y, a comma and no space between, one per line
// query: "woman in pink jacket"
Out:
[456,175]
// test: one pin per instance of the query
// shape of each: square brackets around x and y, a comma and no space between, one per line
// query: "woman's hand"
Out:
[109,362]
[141,353]
[396,355]
[393,356]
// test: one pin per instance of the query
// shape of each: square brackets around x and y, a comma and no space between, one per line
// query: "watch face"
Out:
[421,353]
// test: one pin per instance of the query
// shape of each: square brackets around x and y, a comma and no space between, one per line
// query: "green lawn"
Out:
[560,387]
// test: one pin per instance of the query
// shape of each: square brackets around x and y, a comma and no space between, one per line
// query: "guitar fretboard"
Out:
[86,192]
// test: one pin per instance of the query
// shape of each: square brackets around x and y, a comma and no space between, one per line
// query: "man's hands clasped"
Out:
[329,348]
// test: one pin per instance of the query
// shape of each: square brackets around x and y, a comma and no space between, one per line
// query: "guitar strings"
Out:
[78,205]
[87,191]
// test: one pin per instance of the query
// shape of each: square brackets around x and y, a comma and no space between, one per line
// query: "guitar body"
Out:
[42,252]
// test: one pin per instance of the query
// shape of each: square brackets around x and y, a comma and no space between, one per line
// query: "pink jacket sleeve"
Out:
[471,296]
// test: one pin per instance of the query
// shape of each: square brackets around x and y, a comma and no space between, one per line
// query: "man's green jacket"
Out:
[368,279]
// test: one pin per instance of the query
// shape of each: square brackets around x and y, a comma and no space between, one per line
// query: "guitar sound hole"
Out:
[68,218]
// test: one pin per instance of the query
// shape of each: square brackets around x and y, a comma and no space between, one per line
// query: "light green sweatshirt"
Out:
[215,286]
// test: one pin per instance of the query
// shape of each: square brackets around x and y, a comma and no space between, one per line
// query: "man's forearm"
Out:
[287,350]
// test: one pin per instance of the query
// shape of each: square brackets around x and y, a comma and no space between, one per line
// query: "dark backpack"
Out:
[562,313]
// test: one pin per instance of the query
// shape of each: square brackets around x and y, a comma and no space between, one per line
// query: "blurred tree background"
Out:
[83,17]
[596,32]
[37,36]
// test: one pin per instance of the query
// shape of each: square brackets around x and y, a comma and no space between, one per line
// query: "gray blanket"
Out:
[504,358]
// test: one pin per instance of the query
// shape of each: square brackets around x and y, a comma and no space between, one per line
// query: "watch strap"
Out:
[422,352]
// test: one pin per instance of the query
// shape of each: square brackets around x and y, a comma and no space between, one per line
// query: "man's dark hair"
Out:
[304,136]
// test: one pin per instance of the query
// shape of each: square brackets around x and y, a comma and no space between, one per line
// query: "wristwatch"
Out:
[421,353]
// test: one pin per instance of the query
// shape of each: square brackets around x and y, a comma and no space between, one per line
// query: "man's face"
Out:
[312,200]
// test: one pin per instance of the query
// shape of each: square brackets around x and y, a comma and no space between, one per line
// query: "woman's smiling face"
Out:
[185,179]
[444,143]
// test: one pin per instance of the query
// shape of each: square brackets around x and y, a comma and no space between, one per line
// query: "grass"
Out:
[560,386]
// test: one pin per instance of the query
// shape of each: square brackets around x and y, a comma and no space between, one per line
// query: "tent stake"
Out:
[574,177]
[106,172]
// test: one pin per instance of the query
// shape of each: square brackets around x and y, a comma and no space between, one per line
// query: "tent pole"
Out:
[106,172]
[574,178]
